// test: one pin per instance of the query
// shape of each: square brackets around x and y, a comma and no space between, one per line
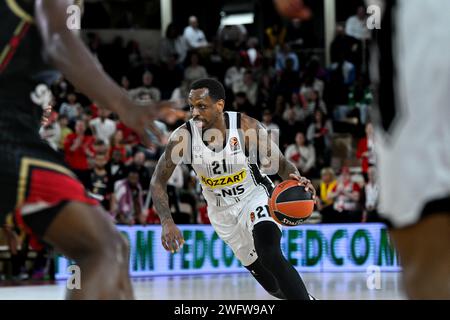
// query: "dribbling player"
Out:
[36,186]
[411,72]
[234,187]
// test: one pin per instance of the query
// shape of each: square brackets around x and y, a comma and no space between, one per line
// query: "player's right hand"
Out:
[171,237]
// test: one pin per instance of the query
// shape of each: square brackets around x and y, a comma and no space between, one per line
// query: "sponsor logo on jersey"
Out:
[224,181]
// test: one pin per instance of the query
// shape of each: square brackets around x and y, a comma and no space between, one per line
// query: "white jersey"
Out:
[411,68]
[227,177]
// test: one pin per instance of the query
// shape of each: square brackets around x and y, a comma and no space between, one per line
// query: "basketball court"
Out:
[242,286]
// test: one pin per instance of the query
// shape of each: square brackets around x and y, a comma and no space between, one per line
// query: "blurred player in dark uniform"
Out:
[37,187]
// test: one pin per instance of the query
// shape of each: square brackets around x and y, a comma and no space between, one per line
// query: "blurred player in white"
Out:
[411,73]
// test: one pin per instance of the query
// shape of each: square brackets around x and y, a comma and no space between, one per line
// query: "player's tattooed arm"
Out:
[272,159]
[162,174]
[171,237]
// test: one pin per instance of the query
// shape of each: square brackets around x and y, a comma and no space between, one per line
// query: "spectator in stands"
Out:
[232,37]
[127,203]
[147,89]
[144,175]
[295,106]
[148,64]
[360,99]
[327,184]
[102,127]
[366,150]
[51,131]
[340,74]
[78,147]
[59,89]
[311,84]
[215,61]
[265,91]
[99,180]
[234,76]
[273,130]
[252,57]
[93,109]
[71,109]
[63,122]
[129,137]
[284,54]
[314,102]
[116,168]
[194,36]
[371,195]
[100,146]
[173,76]
[275,36]
[134,54]
[173,45]
[116,64]
[241,104]
[117,143]
[356,26]
[266,68]
[341,46]
[290,126]
[343,75]
[346,196]
[194,70]
[250,87]
[300,34]
[302,155]
[289,79]
[319,134]
[181,92]
[280,105]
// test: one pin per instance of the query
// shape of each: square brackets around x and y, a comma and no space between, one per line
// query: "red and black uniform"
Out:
[34,179]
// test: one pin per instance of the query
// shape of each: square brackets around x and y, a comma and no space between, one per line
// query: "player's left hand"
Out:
[302,181]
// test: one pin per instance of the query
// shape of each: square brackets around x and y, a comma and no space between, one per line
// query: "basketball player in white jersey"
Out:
[411,73]
[224,155]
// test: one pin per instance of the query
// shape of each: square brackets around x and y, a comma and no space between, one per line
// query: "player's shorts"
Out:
[413,136]
[35,184]
[234,224]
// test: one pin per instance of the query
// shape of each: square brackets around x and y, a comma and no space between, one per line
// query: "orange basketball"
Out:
[293,9]
[290,204]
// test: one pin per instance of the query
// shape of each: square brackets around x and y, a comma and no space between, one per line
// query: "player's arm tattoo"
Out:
[158,187]
[272,159]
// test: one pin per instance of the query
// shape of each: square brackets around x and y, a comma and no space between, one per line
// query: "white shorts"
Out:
[234,224]
[413,153]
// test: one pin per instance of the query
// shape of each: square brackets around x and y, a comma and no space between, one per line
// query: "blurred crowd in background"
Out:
[320,114]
